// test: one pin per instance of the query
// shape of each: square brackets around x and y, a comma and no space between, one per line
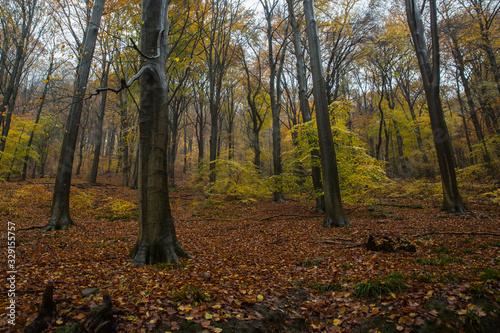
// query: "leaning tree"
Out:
[334,212]
[430,73]
[60,217]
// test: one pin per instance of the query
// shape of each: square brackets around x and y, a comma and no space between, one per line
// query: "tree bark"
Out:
[334,212]
[157,241]
[60,216]
[452,200]
[304,106]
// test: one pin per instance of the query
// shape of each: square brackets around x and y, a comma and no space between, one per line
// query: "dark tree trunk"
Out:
[124,138]
[304,106]
[452,200]
[157,241]
[60,217]
[100,122]
[466,129]
[334,212]
[111,146]
[399,139]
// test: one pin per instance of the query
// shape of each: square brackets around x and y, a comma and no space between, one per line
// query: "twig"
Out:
[31,228]
[476,233]
[353,246]
[288,215]
[158,46]
[123,84]
[418,206]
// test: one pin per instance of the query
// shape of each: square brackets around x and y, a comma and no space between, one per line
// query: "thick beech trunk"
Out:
[452,200]
[60,217]
[157,241]
[334,212]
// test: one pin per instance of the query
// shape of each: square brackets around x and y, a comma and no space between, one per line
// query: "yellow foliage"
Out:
[118,209]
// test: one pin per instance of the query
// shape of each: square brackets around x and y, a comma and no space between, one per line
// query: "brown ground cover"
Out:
[259,267]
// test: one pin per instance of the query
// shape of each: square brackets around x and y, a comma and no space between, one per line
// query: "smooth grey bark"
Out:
[304,105]
[430,74]
[100,120]
[157,241]
[334,212]
[60,216]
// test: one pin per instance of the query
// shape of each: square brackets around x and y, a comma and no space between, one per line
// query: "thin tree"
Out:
[60,216]
[430,74]
[276,64]
[334,212]
[100,119]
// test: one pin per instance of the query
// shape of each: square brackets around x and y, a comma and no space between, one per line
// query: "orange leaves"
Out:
[252,276]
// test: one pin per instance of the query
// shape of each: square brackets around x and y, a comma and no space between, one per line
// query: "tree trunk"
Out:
[157,241]
[334,212]
[452,200]
[304,107]
[124,138]
[100,121]
[60,217]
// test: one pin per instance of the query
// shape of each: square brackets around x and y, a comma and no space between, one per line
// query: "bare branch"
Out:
[158,44]
[124,84]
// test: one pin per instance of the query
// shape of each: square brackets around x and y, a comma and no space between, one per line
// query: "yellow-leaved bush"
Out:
[359,173]
[235,181]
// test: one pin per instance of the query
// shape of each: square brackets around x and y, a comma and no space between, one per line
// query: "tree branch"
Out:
[124,84]
[158,45]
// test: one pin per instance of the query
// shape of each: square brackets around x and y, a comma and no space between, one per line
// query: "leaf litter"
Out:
[265,265]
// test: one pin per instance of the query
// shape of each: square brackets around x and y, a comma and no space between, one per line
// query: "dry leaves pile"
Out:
[265,266]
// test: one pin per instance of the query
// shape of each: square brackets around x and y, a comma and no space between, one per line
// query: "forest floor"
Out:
[259,267]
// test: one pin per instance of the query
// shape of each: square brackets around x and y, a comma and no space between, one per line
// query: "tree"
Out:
[106,63]
[334,212]
[60,216]
[157,241]
[304,101]
[430,74]
[256,112]
[276,60]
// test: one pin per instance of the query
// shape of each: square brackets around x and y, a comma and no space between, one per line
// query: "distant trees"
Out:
[240,81]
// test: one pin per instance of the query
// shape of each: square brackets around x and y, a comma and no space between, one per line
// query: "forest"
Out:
[250,166]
